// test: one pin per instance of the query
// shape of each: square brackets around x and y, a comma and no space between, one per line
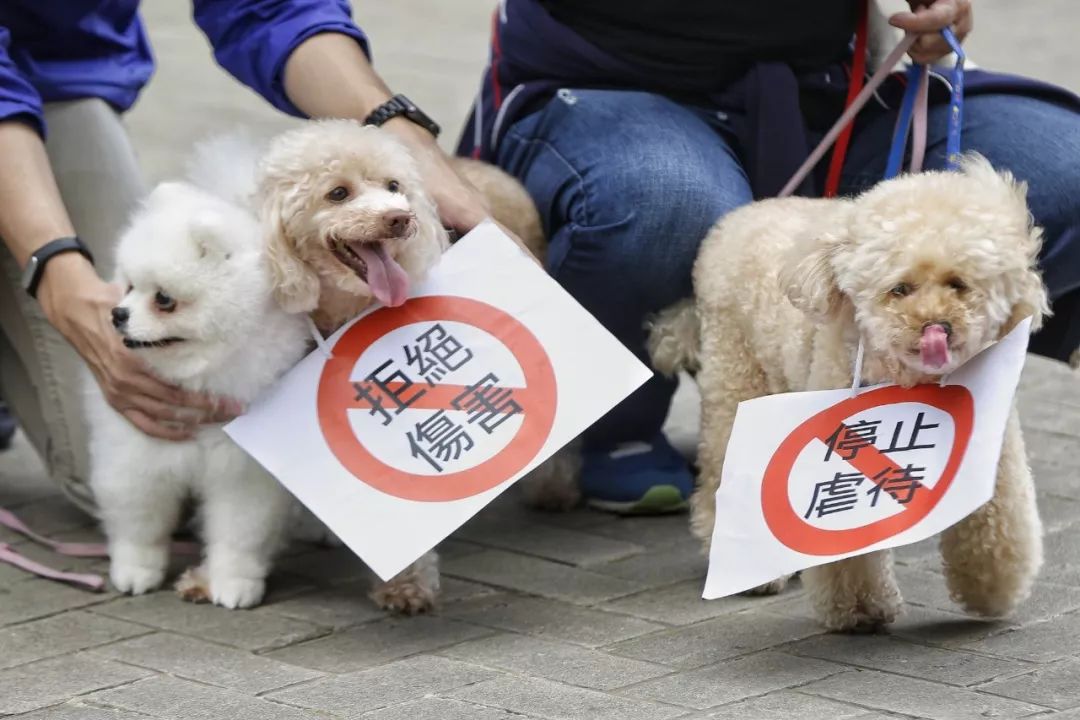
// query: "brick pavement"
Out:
[545,616]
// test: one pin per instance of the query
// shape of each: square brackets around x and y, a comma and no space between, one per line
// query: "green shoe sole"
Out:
[657,500]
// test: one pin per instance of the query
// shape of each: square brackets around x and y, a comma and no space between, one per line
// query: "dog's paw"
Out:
[192,586]
[237,592]
[227,591]
[554,485]
[405,596]
[305,527]
[135,579]
[773,587]
[868,615]
[553,499]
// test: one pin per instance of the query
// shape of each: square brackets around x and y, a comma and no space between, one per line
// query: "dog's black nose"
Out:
[396,222]
[120,316]
[944,324]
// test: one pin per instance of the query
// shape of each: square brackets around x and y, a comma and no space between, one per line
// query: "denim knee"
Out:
[628,184]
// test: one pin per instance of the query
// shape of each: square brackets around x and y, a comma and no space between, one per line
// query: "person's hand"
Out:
[928,18]
[328,75]
[461,206]
[79,304]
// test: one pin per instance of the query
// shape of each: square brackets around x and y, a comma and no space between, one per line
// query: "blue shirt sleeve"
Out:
[18,98]
[252,39]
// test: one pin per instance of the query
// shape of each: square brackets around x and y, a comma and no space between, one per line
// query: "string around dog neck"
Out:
[320,341]
[856,372]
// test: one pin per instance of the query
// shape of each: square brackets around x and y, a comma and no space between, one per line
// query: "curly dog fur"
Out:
[333,192]
[785,288]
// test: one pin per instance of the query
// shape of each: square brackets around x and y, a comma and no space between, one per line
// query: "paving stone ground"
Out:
[559,617]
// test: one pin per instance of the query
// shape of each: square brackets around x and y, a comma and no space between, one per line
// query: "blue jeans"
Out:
[628,183]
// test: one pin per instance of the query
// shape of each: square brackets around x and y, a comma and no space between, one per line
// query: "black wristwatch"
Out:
[31,277]
[401,105]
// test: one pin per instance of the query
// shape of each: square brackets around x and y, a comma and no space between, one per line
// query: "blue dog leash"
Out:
[916,79]
[956,103]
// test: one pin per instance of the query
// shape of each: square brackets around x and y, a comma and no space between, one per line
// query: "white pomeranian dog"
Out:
[199,310]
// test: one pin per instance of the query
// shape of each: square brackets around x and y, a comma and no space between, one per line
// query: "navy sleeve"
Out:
[18,98]
[252,39]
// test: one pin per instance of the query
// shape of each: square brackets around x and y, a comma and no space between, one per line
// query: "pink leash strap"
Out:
[849,114]
[918,122]
[92,582]
[10,521]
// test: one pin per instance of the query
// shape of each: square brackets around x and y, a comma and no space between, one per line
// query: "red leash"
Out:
[855,85]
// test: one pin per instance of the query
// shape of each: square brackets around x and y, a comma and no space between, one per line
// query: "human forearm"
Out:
[31,210]
[32,213]
[328,75]
[74,299]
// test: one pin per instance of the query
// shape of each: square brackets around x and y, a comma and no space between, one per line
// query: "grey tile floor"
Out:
[573,616]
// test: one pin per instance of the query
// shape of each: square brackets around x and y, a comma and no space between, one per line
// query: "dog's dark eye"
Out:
[164,302]
[393,186]
[901,290]
[338,194]
[958,285]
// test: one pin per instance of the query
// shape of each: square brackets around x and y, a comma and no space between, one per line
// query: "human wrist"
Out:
[369,97]
[68,282]
[413,135]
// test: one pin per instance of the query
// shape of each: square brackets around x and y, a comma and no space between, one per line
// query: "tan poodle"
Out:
[928,269]
[348,223]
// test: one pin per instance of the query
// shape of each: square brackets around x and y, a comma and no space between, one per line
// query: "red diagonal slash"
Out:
[792,530]
[870,461]
[441,397]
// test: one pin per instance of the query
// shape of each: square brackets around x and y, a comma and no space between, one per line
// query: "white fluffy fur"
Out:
[784,288]
[208,255]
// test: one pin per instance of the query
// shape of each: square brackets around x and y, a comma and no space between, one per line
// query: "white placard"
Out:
[813,477]
[425,413]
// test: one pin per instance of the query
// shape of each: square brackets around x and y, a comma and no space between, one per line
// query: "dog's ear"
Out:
[296,286]
[205,230]
[1029,294]
[807,276]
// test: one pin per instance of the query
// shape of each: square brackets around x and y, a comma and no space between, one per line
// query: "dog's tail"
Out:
[225,164]
[674,339]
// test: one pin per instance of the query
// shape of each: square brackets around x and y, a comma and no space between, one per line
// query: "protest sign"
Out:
[813,477]
[426,412]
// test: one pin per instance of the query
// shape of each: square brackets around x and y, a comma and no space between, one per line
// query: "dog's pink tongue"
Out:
[387,280]
[934,347]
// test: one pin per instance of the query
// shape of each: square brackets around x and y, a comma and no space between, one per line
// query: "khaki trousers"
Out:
[40,373]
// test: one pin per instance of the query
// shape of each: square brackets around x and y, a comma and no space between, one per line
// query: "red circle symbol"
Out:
[538,399]
[792,529]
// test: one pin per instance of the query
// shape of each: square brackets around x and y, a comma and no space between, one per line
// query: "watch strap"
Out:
[35,269]
[401,105]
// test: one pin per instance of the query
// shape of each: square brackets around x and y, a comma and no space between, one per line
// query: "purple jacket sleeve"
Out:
[18,98]
[252,39]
